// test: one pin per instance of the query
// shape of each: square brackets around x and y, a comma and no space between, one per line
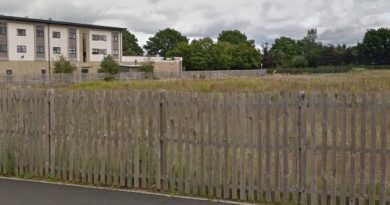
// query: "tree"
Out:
[234,37]
[130,45]
[283,50]
[109,65]
[375,48]
[62,65]
[311,49]
[163,41]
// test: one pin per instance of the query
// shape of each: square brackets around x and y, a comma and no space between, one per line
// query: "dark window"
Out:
[21,32]
[43,71]
[57,50]
[56,34]
[115,38]
[84,70]
[22,49]
[96,51]
[72,51]
[8,72]
[40,49]
[3,31]
[72,35]
[40,33]
[3,48]
[99,37]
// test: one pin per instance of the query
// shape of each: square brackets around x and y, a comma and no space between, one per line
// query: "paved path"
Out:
[34,193]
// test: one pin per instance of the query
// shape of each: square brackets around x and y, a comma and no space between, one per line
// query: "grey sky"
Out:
[337,21]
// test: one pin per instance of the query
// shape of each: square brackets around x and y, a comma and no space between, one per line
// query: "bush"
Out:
[147,67]
[62,65]
[109,65]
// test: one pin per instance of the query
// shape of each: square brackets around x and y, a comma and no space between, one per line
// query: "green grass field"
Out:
[357,81]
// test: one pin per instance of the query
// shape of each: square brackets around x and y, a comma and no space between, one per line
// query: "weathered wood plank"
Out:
[234,146]
[334,152]
[362,154]
[268,147]
[352,185]
[172,126]
[194,150]
[251,178]
[259,147]
[217,147]
[383,166]
[180,115]
[285,142]
[242,147]
[187,188]
[226,118]
[324,159]
[163,139]
[343,151]
[202,144]
[373,136]
[277,147]
[303,152]
[210,145]
[295,147]
[313,149]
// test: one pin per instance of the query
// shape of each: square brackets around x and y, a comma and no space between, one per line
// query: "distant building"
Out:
[30,46]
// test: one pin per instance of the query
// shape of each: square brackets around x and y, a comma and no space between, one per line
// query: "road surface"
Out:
[13,192]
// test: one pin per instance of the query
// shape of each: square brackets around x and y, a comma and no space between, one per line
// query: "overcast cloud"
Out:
[337,21]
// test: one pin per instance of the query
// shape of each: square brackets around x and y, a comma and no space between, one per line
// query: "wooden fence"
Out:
[290,147]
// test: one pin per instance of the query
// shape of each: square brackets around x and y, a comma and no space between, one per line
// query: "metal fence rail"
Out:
[57,79]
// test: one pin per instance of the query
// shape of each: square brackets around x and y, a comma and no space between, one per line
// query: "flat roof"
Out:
[63,23]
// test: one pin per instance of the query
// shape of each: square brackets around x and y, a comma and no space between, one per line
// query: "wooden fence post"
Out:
[163,149]
[302,147]
[50,150]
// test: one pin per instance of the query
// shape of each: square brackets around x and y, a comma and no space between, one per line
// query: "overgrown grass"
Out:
[355,81]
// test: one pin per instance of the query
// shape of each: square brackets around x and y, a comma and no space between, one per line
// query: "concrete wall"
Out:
[14,41]
[167,66]
[23,67]
[100,44]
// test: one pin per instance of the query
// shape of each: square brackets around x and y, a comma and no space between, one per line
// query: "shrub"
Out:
[62,65]
[109,65]
[147,67]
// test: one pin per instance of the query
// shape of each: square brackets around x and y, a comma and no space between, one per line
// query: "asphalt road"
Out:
[34,193]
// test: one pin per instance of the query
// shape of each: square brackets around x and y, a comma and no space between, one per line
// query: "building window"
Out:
[115,38]
[40,33]
[56,34]
[40,49]
[84,71]
[57,50]
[8,72]
[99,37]
[22,49]
[96,51]
[72,35]
[115,52]
[21,32]
[3,48]
[72,51]
[3,31]
[43,71]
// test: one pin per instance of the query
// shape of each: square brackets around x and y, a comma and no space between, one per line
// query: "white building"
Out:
[30,46]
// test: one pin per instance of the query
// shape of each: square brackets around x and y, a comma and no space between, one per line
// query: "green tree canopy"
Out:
[62,65]
[130,45]
[234,37]
[109,65]
[163,41]
[375,48]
